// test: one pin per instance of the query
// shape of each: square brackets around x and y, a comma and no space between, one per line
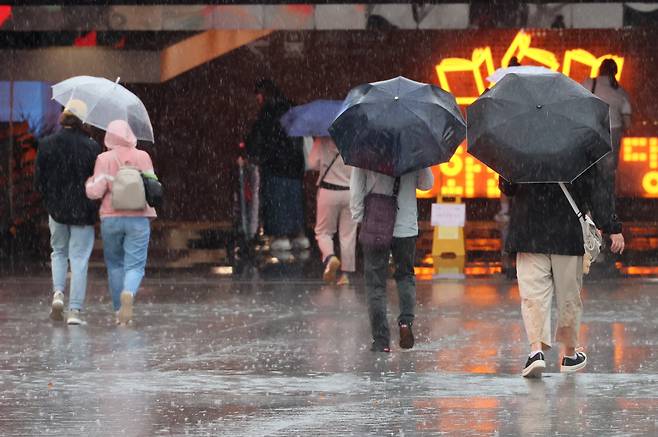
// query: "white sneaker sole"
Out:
[573,369]
[57,310]
[73,321]
[534,370]
[126,310]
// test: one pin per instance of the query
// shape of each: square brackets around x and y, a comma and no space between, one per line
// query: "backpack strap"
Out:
[593,85]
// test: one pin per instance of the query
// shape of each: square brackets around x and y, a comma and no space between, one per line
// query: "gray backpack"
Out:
[128,188]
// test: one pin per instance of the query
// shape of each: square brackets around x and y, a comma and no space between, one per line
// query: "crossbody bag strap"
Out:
[396,187]
[327,170]
[572,202]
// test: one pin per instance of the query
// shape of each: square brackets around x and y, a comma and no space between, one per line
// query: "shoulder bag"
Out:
[592,239]
[380,211]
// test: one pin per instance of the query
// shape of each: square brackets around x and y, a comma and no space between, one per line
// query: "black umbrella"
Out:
[538,128]
[398,126]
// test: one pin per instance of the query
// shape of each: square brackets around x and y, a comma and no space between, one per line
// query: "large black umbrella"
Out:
[398,126]
[538,128]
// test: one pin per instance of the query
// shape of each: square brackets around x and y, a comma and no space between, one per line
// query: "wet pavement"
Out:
[209,356]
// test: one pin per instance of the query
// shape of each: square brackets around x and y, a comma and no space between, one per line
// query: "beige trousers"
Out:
[541,275]
[333,215]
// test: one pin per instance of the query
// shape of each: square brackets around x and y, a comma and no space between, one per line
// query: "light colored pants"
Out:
[540,276]
[71,244]
[333,215]
[125,247]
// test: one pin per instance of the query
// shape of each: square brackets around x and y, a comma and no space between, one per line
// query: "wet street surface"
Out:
[210,356]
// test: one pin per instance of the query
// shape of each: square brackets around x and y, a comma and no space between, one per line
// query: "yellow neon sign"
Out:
[522,49]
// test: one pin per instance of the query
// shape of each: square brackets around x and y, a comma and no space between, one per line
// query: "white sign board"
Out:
[448,214]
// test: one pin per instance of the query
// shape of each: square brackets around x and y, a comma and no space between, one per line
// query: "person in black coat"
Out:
[64,162]
[281,162]
[546,235]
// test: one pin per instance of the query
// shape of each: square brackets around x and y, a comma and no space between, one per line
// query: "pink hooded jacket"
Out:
[122,145]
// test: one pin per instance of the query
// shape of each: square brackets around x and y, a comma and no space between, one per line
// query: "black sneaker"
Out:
[406,336]
[378,347]
[534,366]
[570,365]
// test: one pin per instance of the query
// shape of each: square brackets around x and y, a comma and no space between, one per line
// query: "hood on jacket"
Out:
[119,134]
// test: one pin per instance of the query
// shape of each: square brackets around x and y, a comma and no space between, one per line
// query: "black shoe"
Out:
[378,347]
[534,366]
[406,336]
[571,365]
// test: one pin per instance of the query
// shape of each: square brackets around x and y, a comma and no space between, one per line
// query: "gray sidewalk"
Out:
[209,356]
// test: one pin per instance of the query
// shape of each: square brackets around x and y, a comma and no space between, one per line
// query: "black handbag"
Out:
[153,191]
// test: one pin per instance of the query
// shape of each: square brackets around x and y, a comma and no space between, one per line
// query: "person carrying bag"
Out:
[333,212]
[118,180]
[386,208]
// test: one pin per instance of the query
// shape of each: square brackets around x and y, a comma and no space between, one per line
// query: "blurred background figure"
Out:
[606,87]
[64,162]
[558,22]
[281,162]
[333,210]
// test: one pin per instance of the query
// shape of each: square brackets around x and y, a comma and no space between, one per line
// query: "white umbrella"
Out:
[98,101]
[523,69]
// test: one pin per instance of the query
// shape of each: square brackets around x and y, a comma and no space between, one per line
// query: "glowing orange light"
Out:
[520,47]
[584,57]
[480,56]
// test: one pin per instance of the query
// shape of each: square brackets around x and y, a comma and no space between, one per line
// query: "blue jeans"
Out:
[71,244]
[125,247]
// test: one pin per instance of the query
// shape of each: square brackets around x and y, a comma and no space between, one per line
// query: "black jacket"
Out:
[542,220]
[268,144]
[64,162]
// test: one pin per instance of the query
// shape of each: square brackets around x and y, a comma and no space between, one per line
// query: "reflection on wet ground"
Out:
[215,357]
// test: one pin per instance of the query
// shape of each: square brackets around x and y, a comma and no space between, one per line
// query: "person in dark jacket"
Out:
[281,162]
[64,162]
[546,235]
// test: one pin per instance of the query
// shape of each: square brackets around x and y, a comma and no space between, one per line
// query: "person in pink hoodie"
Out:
[125,234]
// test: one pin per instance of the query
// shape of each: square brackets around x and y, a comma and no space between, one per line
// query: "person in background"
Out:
[64,162]
[333,210]
[281,162]
[403,249]
[547,237]
[126,234]
[606,87]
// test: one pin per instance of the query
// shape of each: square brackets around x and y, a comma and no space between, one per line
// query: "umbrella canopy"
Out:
[538,128]
[103,101]
[312,119]
[398,126]
[519,69]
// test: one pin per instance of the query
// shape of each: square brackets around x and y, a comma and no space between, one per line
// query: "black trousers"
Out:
[376,274]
